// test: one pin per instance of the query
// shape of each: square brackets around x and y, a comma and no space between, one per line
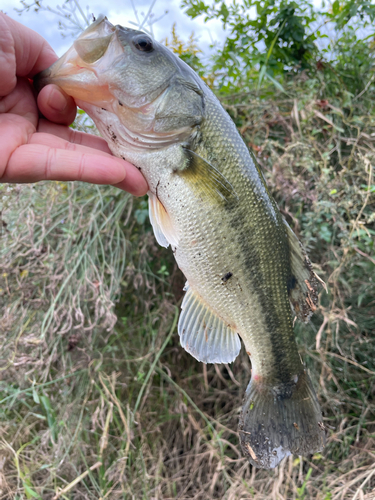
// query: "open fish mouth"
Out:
[76,72]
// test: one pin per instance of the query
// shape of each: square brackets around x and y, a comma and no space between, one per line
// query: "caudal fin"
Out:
[280,420]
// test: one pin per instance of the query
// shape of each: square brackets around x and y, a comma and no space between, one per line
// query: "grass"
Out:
[99,401]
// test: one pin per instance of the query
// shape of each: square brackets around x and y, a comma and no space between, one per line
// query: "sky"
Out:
[118,12]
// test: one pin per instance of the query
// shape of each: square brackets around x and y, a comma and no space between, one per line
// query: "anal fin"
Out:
[205,335]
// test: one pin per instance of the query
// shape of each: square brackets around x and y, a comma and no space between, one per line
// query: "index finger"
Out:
[23,53]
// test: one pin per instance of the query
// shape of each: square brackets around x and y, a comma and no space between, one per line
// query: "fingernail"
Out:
[57,101]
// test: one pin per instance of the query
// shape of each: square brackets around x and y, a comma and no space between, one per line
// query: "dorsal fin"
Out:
[303,282]
[205,335]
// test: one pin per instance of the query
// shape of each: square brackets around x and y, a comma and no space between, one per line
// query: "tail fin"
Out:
[277,421]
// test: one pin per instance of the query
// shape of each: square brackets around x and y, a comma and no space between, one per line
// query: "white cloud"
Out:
[118,12]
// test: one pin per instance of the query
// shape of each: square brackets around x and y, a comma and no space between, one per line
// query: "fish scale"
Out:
[209,202]
[236,227]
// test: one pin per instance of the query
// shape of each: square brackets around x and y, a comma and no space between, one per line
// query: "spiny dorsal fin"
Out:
[205,179]
[303,282]
[203,334]
[164,231]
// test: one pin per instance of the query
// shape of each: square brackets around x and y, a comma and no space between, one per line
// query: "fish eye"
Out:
[143,43]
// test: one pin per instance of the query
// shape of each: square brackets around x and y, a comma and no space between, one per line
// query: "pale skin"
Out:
[35,148]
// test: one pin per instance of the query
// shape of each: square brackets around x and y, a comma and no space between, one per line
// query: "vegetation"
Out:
[98,400]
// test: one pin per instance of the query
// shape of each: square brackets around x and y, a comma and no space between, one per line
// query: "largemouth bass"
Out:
[209,202]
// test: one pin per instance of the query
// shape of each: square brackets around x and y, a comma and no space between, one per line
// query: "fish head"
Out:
[154,95]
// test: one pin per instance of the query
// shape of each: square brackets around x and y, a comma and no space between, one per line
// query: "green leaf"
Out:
[30,493]
[37,415]
[50,414]
[261,74]
[275,82]
[35,396]
[141,215]
[336,7]
[325,233]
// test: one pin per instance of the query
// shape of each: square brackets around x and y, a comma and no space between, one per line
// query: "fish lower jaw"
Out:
[121,138]
[117,136]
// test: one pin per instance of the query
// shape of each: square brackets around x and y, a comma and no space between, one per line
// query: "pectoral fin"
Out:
[205,179]
[303,282]
[203,334]
[164,231]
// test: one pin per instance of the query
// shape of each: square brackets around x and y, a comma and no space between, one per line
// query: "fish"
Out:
[247,273]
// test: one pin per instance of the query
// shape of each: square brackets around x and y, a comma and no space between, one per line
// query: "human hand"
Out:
[31,149]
